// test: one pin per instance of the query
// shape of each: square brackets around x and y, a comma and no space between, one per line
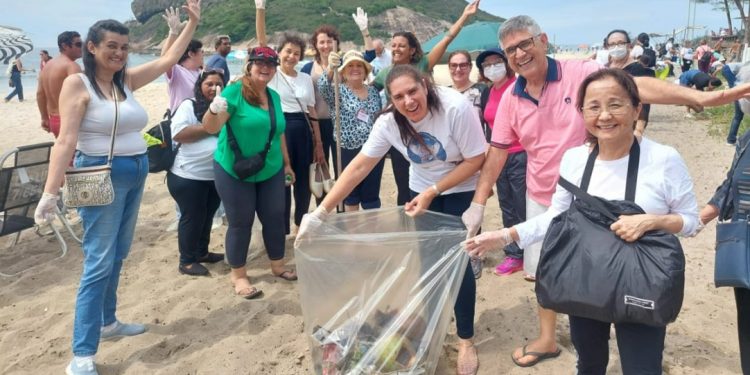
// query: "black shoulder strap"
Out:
[730,175]
[232,140]
[632,178]
[586,197]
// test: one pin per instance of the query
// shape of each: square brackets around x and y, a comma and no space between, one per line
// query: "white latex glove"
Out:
[472,218]
[219,104]
[360,18]
[172,16]
[46,209]
[310,222]
[494,240]
[260,4]
[334,60]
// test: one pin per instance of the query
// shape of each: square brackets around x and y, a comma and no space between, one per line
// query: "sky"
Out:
[566,22]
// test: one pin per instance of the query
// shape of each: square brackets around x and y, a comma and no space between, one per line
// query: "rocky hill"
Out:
[236,18]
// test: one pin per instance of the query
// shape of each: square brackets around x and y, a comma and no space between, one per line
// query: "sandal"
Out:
[538,357]
[248,292]
[287,275]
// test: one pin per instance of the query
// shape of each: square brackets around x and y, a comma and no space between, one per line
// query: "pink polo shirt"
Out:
[547,128]
[180,85]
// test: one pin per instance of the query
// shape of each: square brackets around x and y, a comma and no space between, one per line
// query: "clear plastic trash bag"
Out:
[377,289]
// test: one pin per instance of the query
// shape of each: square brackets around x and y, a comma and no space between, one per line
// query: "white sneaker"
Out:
[81,366]
[173,226]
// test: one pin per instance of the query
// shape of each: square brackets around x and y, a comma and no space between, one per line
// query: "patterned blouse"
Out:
[357,115]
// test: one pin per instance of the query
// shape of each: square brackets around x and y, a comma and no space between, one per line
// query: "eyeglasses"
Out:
[264,63]
[614,109]
[462,66]
[525,45]
[617,44]
[489,64]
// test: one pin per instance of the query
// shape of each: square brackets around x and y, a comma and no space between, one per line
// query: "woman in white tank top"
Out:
[87,110]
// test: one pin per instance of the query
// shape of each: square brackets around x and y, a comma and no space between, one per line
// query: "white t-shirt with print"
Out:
[300,87]
[194,161]
[452,135]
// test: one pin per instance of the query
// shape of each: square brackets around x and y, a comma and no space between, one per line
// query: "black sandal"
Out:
[211,258]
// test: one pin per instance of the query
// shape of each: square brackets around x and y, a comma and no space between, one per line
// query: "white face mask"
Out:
[618,52]
[495,72]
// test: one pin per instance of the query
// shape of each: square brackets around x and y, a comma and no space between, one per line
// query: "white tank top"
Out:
[96,125]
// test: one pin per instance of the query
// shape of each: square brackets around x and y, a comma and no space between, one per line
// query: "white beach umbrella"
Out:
[13,42]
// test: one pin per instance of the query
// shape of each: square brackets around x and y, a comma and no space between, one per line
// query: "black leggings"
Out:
[742,297]
[299,146]
[511,192]
[198,202]
[242,200]
[455,204]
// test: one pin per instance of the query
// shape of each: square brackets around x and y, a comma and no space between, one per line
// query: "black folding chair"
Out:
[23,172]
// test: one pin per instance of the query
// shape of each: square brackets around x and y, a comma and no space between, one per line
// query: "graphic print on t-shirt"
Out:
[434,151]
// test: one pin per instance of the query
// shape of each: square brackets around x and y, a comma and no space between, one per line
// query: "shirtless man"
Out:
[52,77]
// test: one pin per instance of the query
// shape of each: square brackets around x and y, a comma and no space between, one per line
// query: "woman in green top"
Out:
[245,106]
[405,49]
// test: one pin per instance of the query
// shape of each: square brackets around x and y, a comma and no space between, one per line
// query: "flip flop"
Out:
[252,294]
[287,275]
[539,357]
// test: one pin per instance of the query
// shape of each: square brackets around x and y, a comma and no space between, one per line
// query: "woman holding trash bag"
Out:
[438,130]
[359,106]
[730,197]
[254,124]
[609,102]
[406,49]
[88,112]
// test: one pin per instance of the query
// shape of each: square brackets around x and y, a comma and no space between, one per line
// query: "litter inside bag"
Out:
[377,289]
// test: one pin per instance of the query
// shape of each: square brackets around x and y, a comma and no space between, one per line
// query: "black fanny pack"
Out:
[246,167]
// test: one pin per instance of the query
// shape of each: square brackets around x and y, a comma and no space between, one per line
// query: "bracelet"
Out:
[435,188]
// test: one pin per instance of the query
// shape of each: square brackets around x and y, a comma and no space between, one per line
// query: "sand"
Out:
[197,325]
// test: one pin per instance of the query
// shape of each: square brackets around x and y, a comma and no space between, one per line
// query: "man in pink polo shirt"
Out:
[541,114]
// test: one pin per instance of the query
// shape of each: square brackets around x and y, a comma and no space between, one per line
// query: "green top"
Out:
[423,65]
[251,125]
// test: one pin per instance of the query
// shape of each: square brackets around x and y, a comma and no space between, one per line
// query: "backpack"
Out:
[651,56]
[161,155]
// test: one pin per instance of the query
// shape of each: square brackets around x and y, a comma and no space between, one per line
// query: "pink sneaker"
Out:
[509,266]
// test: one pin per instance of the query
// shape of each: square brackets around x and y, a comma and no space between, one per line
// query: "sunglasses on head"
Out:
[208,71]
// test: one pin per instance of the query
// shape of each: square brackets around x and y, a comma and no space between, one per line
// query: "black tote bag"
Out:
[586,270]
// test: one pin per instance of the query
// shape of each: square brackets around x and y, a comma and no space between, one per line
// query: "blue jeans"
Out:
[15,77]
[736,121]
[107,235]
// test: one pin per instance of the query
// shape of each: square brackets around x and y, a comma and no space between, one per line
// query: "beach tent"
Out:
[476,37]
[13,42]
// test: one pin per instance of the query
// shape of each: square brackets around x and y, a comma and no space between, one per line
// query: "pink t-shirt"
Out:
[490,110]
[545,129]
[180,85]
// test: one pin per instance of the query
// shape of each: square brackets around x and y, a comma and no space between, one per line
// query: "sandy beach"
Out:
[198,325]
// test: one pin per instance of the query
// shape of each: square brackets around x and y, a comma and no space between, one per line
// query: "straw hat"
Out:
[352,56]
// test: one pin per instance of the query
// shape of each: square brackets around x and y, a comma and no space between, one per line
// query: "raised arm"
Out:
[260,22]
[437,52]
[172,17]
[656,91]
[360,18]
[142,75]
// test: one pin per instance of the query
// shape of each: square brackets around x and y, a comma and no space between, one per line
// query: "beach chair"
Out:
[23,172]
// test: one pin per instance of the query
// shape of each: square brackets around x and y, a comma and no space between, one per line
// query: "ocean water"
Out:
[31,61]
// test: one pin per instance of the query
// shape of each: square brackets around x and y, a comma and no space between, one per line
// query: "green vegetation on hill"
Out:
[236,18]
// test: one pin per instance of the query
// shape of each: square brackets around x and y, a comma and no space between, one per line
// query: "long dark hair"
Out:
[201,102]
[95,36]
[413,43]
[405,129]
